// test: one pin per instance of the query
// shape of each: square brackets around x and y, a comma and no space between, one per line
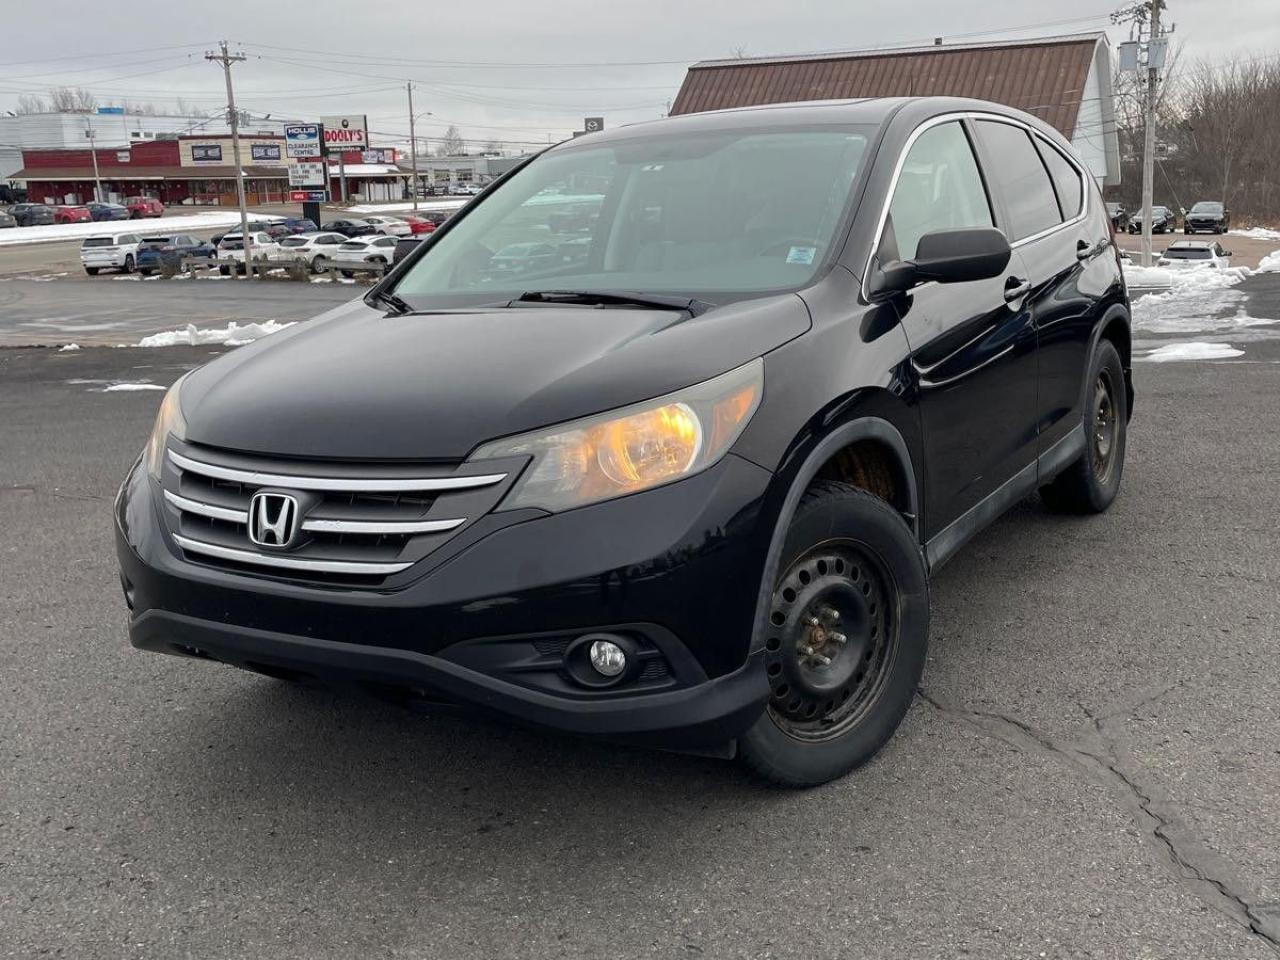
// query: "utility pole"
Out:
[413,148]
[1149,134]
[227,59]
[93,149]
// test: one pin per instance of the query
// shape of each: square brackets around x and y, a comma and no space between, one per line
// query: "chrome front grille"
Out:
[358,525]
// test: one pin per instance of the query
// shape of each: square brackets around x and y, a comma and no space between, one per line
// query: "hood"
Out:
[356,383]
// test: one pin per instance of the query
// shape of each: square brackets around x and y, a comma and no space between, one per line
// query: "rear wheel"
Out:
[91,271]
[847,635]
[1090,484]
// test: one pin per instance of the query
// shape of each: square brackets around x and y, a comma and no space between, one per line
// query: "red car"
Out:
[72,215]
[144,207]
[417,224]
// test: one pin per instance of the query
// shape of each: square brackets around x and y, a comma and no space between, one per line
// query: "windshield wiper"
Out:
[395,304]
[614,297]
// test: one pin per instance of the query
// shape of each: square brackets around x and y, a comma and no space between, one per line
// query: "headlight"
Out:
[634,448]
[168,421]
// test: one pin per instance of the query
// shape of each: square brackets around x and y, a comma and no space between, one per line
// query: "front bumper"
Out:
[677,568]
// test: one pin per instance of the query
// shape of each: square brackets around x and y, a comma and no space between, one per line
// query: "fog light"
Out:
[607,658]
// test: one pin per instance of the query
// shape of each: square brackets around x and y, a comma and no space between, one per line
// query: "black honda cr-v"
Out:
[675,468]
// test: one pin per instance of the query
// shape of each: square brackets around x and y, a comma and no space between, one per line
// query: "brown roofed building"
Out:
[1065,81]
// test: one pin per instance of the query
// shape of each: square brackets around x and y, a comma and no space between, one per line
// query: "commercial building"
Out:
[1066,81]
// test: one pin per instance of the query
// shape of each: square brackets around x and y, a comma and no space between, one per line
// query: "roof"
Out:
[1045,76]
[140,172]
[365,169]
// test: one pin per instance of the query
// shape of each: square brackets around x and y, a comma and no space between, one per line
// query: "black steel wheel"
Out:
[1091,482]
[845,637]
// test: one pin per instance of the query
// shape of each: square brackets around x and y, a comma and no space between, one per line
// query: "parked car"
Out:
[404,247]
[66,214]
[113,251]
[107,211]
[169,250]
[418,224]
[1208,216]
[231,247]
[1163,220]
[291,226]
[389,226]
[518,258]
[315,249]
[143,207]
[255,226]
[465,189]
[1190,254]
[688,492]
[31,214]
[350,228]
[7,220]
[1119,218]
[362,251]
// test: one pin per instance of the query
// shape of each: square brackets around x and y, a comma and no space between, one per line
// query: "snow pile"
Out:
[1270,263]
[1257,233]
[125,387]
[233,335]
[78,231]
[1192,351]
[424,206]
[1192,300]
[1137,276]
[68,346]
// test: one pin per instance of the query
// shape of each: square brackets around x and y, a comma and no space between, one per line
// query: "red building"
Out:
[185,170]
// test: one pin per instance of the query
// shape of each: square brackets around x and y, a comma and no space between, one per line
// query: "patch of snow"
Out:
[78,231]
[123,387]
[425,206]
[233,335]
[1191,300]
[1191,350]
[1270,263]
[133,277]
[68,346]
[1256,233]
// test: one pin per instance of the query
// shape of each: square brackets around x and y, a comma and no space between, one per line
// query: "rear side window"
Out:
[938,188]
[1066,179]
[1019,174]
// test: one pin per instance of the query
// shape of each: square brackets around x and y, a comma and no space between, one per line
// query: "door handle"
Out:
[1015,288]
[1084,251]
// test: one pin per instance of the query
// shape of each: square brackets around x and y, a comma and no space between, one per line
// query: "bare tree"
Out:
[493,146]
[30,103]
[452,144]
[71,100]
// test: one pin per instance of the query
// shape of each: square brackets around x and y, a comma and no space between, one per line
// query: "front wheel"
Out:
[128,263]
[91,271]
[846,638]
[1090,484]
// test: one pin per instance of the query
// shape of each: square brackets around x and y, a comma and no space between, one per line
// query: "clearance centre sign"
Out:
[346,133]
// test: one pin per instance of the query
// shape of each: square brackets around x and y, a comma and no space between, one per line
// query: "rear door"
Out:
[1066,255]
[973,347]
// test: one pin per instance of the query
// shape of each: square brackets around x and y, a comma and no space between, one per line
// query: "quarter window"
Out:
[939,188]
[1066,179]
[1021,177]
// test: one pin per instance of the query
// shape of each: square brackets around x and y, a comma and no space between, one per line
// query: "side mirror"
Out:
[946,256]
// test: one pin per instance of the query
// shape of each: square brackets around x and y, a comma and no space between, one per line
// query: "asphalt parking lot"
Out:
[1092,768]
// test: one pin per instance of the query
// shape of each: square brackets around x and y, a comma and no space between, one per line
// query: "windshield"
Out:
[735,212]
[1206,207]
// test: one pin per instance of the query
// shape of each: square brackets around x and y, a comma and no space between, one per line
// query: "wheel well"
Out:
[1117,332]
[871,466]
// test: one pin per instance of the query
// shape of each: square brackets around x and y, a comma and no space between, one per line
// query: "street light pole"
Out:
[93,150]
[226,59]
[413,149]
[1149,134]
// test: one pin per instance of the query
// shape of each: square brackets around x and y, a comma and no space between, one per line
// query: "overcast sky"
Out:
[511,70]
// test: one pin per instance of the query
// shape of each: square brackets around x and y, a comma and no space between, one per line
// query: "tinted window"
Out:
[1187,254]
[1204,207]
[939,188]
[1066,179]
[294,242]
[99,242]
[1020,176]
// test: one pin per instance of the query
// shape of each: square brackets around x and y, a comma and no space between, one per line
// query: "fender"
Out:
[1120,310]
[863,428]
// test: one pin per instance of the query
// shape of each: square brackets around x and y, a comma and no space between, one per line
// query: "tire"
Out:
[347,274]
[317,264]
[1090,484]
[850,562]
[91,271]
[145,271]
[128,264]
[224,270]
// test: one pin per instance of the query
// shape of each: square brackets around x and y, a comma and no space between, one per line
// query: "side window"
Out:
[1066,179]
[939,188]
[1019,174]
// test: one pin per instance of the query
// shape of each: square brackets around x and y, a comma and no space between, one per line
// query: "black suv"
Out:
[682,483]
[1208,216]
[31,214]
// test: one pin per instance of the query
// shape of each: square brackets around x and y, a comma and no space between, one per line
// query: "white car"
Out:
[117,251]
[231,247]
[312,248]
[1191,254]
[363,251]
[389,226]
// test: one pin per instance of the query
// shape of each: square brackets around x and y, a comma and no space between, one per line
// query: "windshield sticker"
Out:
[802,255]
